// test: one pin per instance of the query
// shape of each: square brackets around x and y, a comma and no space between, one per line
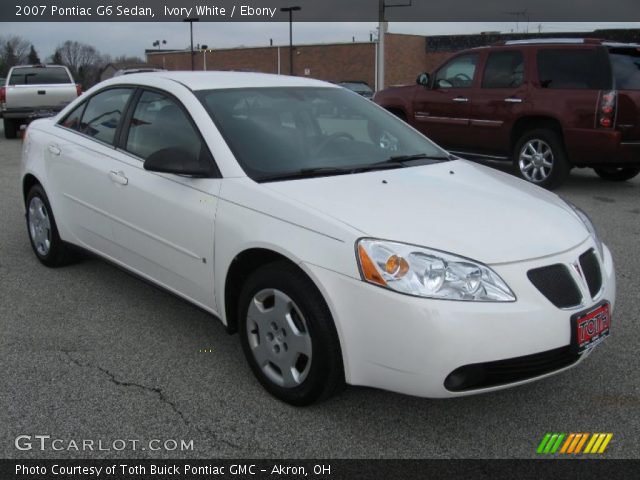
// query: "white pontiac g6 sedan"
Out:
[342,245]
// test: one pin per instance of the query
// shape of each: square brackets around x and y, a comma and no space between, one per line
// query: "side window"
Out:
[458,73]
[72,120]
[158,123]
[504,70]
[577,68]
[102,115]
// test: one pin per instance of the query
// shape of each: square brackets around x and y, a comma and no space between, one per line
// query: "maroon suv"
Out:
[545,105]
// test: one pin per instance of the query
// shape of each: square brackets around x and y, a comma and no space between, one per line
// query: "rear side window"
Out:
[39,76]
[102,115]
[626,68]
[72,120]
[504,70]
[574,68]
[158,124]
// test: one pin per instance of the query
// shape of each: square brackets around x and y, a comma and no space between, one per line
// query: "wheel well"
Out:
[27,183]
[398,112]
[525,124]
[241,267]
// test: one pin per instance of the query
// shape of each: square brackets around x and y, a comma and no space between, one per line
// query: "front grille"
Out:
[591,269]
[556,283]
[501,372]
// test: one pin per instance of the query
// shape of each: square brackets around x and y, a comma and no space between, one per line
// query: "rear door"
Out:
[442,111]
[625,62]
[40,88]
[82,165]
[502,97]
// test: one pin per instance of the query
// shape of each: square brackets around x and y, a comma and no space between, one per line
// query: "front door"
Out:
[442,111]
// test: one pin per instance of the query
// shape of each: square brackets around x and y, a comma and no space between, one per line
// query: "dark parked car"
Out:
[546,105]
[361,88]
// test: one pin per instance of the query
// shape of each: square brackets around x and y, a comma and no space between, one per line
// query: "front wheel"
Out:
[288,335]
[617,174]
[539,158]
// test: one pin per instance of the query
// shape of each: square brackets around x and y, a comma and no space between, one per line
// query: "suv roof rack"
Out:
[566,41]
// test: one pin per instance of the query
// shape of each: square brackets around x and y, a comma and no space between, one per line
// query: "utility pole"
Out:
[382,29]
[191,20]
[290,10]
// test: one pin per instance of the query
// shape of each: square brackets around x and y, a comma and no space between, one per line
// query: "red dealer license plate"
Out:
[591,328]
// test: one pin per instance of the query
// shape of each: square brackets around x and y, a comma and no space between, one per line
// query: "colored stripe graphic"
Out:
[573,443]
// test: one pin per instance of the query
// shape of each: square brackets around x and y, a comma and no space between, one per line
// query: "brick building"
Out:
[405,55]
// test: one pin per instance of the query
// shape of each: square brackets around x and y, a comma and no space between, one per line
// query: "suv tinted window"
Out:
[159,123]
[504,70]
[626,68]
[39,76]
[102,115]
[574,68]
[458,73]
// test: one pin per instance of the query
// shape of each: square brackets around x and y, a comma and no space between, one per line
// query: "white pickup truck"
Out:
[34,91]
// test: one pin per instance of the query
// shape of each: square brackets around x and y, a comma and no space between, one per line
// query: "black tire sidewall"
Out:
[326,363]
[561,166]
[10,128]
[57,250]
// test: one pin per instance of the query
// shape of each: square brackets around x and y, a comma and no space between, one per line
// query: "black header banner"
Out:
[122,469]
[319,10]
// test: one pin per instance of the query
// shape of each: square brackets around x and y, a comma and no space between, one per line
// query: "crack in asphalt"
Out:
[160,394]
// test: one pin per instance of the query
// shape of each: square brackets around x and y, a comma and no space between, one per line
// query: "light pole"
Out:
[191,20]
[203,49]
[157,43]
[290,10]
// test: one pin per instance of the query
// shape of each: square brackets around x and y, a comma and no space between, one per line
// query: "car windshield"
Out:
[280,132]
[626,68]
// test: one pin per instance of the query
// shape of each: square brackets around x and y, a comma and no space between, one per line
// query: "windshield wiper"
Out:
[417,156]
[327,171]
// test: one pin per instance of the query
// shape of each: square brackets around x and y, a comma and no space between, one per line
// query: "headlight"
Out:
[429,273]
[589,226]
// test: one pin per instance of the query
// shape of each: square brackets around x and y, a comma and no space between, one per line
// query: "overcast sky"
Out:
[118,39]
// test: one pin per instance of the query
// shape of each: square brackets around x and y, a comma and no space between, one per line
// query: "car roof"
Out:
[222,80]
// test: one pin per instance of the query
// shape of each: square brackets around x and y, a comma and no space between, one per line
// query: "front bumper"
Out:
[410,345]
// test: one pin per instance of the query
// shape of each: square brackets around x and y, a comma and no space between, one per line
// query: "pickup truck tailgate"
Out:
[40,97]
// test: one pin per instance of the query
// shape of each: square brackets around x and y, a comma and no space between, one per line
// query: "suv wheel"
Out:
[288,335]
[617,174]
[540,158]
[10,128]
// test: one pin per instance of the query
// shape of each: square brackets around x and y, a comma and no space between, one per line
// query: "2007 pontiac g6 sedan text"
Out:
[342,245]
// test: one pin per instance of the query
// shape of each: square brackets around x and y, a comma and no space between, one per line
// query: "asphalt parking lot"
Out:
[90,352]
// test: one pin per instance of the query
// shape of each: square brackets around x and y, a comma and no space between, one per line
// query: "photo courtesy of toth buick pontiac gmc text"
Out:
[342,245]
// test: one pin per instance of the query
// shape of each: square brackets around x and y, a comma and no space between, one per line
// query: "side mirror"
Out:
[423,79]
[177,161]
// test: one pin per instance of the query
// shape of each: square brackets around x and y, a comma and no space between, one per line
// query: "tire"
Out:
[288,335]
[43,232]
[10,128]
[539,157]
[617,174]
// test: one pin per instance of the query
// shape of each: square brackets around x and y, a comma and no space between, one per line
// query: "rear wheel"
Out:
[10,128]
[288,335]
[43,232]
[539,158]
[617,174]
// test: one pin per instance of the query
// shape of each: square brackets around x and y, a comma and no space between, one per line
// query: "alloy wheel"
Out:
[536,160]
[39,226]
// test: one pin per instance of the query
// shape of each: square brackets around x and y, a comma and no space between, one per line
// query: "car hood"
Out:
[458,206]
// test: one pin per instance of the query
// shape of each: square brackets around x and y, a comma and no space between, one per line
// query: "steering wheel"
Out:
[330,139]
[462,78]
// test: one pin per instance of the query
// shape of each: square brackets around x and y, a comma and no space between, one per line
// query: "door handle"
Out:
[55,150]
[118,177]
[513,100]
[461,99]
